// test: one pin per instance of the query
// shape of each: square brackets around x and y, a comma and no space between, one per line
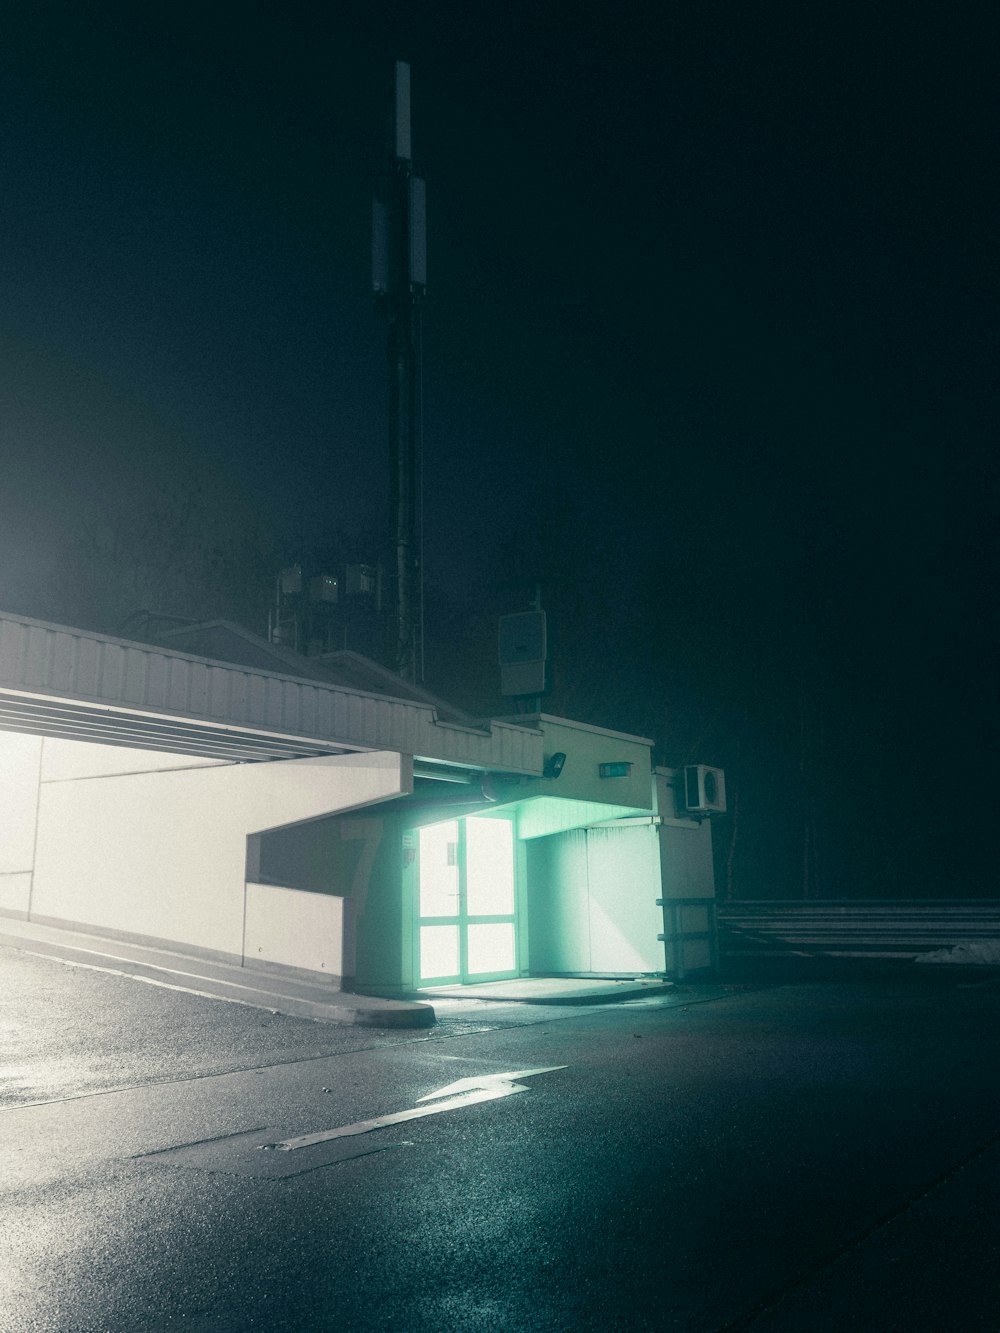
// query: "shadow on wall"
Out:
[331,855]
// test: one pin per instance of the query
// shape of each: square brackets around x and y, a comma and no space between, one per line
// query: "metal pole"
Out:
[399,284]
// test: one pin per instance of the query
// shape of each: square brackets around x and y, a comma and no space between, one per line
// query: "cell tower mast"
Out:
[399,279]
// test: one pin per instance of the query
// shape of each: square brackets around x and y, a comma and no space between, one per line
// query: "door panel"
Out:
[439,951]
[439,869]
[466,928]
[489,867]
[490,948]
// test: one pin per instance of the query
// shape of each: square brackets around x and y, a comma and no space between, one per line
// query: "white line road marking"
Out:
[470,1091]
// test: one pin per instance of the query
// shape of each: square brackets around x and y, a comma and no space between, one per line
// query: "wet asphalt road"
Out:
[805,1157]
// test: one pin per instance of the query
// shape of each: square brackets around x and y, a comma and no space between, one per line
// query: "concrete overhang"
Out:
[601,767]
[579,796]
[543,816]
[79,685]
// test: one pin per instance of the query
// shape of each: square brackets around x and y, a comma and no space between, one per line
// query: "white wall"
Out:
[686,857]
[586,748]
[688,872]
[686,863]
[592,901]
[295,928]
[20,757]
[162,853]
[558,903]
[624,882]
[62,760]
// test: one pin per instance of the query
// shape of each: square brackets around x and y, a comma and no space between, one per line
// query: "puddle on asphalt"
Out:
[252,1153]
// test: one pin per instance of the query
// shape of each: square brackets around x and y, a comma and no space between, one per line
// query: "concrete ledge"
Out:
[555,990]
[200,976]
[118,938]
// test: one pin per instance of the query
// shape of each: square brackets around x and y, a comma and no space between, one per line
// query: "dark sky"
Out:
[712,293]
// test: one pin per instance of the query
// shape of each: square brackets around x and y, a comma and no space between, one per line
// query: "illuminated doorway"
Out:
[466,926]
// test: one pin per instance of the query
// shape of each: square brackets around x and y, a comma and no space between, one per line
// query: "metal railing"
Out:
[690,937]
[843,928]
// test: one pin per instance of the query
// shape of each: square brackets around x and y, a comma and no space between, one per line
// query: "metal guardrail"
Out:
[842,928]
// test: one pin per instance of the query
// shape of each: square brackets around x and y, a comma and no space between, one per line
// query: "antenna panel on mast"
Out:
[418,232]
[380,247]
[401,112]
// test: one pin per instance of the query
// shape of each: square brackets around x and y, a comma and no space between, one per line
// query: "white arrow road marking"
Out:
[485,1088]
[487,1081]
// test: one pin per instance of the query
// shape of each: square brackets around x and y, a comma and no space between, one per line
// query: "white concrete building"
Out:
[273,813]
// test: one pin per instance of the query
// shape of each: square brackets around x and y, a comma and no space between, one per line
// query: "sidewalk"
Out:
[277,992]
[555,990]
[299,997]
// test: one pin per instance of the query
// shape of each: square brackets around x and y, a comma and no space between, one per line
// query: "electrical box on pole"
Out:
[523,652]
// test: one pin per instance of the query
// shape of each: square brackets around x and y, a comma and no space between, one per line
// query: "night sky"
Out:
[710,345]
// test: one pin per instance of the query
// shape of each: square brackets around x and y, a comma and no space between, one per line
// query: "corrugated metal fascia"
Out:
[89,667]
[521,748]
[502,747]
[539,720]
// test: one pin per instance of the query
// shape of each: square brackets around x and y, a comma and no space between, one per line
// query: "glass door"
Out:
[488,924]
[440,951]
[466,925]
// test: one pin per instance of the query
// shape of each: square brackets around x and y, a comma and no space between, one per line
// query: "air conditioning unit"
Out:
[704,790]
